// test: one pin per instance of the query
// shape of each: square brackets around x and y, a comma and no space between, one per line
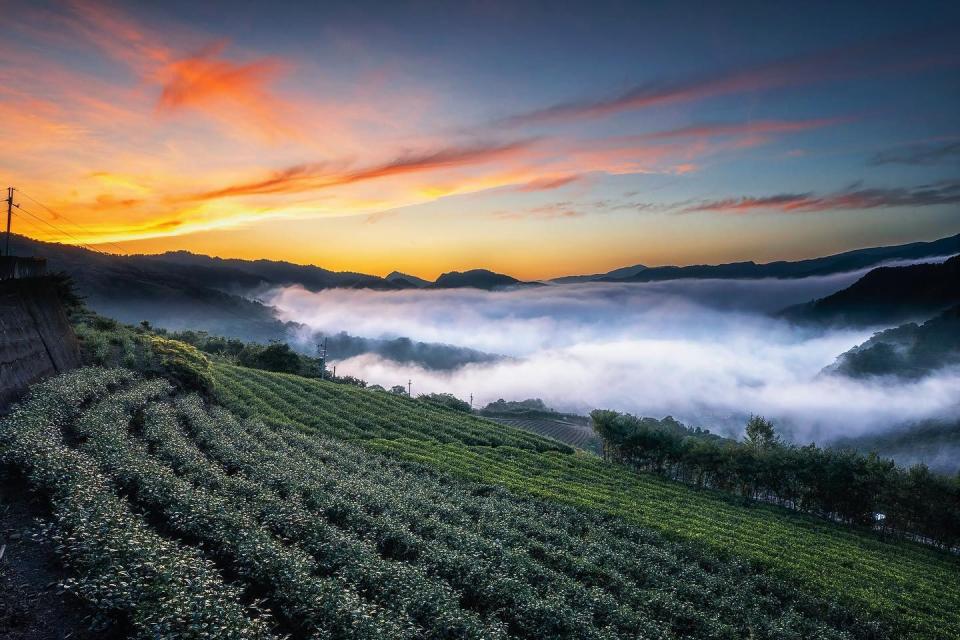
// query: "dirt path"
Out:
[33,606]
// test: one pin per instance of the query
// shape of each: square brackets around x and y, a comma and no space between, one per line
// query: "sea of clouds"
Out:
[708,352]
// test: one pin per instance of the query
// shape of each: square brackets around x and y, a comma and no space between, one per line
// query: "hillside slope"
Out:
[131,289]
[189,523]
[935,443]
[915,589]
[907,351]
[887,295]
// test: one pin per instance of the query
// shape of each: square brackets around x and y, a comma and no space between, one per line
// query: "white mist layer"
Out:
[703,351]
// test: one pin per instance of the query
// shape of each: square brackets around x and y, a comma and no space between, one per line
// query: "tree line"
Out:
[839,484]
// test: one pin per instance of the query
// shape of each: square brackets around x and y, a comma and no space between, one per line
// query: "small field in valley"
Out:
[569,433]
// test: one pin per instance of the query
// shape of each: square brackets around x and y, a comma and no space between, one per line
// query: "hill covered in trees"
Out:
[934,443]
[887,295]
[909,351]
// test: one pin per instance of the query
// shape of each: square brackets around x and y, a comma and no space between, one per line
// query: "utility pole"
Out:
[9,217]
[410,388]
[471,402]
[322,352]
[334,372]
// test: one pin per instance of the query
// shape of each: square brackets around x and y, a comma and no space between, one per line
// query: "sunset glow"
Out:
[436,138]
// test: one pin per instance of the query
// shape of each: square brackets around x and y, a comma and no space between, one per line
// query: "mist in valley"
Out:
[709,352]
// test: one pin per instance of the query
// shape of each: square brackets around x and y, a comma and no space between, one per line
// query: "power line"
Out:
[57,214]
[27,221]
[58,229]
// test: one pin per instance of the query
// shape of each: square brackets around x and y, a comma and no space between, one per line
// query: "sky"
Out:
[536,139]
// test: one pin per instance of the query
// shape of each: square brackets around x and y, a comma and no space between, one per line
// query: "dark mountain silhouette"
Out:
[406,280]
[888,295]
[475,279]
[838,263]
[180,291]
[227,273]
[619,274]
[173,294]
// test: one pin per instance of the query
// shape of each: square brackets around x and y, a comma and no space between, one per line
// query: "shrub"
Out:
[184,364]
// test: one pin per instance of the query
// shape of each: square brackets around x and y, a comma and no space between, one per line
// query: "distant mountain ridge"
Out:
[404,279]
[236,275]
[474,279]
[837,263]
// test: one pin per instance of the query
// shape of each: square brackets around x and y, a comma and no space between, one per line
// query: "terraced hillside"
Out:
[914,589]
[185,522]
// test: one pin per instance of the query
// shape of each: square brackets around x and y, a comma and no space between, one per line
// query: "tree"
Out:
[760,434]
[398,389]
[447,400]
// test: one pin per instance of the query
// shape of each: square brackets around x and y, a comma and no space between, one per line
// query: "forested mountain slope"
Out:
[907,351]
[887,295]
[935,443]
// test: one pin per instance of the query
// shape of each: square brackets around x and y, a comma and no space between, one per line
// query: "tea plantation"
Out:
[299,508]
[913,588]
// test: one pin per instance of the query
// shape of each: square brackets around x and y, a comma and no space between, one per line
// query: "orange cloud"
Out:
[311,177]
[205,81]
[237,93]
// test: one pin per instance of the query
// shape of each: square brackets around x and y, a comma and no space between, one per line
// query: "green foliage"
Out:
[105,342]
[340,542]
[760,435]
[530,408]
[183,364]
[351,413]
[842,485]
[464,529]
[914,588]
[907,351]
[447,400]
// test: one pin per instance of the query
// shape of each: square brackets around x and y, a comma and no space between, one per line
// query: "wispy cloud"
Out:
[891,55]
[747,129]
[940,193]
[552,210]
[920,154]
[310,177]
[547,183]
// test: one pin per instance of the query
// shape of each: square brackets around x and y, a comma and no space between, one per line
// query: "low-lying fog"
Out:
[706,352]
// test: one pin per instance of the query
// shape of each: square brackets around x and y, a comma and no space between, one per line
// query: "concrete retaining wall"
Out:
[36,340]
